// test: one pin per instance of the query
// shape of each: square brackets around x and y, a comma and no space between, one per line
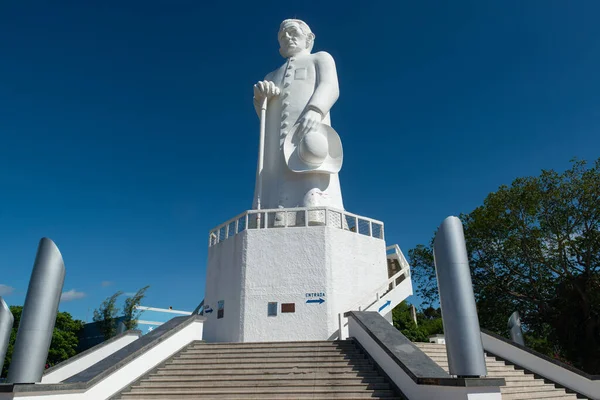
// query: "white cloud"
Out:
[107,283]
[71,295]
[6,290]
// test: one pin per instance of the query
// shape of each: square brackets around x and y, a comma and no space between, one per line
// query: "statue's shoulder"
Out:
[323,57]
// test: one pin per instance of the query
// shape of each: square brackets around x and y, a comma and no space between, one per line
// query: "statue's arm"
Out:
[327,90]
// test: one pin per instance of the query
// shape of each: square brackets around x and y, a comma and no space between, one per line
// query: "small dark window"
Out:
[272,310]
[288,307]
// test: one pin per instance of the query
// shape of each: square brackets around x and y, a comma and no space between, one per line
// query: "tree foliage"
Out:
[534,247]
[429,322]
[64,338]
[106,316]
[130,312]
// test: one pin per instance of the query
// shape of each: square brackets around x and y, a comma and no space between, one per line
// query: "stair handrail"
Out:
[383,290]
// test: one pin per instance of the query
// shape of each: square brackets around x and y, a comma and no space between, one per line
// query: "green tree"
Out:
[534,247]
[64,338]
[130,312]
[106,316]
[429,322]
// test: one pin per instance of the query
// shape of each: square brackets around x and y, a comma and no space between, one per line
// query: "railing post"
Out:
[326,220]
[237,226]
[356,228]
[305,217]
[266,220]
[370,228]
[227,231]
[341,326]
[246,221]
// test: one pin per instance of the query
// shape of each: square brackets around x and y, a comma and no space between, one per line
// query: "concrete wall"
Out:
[286,265]
[542,367]
[119,379]
[409,387]
[358,269]
[282,265]
[72,367]
[224,276]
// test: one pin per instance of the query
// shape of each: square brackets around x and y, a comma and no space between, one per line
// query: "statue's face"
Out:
[291,40]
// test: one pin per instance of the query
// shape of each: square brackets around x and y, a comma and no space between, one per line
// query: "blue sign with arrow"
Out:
[387,303]
[320,301]
[208,310]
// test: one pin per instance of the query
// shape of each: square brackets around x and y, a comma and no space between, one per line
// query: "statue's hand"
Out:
[309,121]
[265,89]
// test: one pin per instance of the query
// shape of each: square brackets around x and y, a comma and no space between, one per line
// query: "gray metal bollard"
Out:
[457,301]
[6,324]
[121,327]
[514,325]
[39,315]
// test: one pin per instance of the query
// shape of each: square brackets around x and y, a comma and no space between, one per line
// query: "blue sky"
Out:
[127,129]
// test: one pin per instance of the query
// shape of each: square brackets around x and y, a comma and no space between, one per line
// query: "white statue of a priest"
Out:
[302,153]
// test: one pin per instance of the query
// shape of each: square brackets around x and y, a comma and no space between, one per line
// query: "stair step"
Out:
[271,364]
[522,378]
[505,373]
[248,385]
[528,381]
[264,380]
[273,345]
[329,396]
[264,369]
[538,395]
[276,350]
[490,367]
[258,393]
[299,358]
[444,356]
[530,388]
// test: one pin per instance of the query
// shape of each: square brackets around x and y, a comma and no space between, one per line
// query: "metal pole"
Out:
[39,315]
[459,314]
[514,325]
[6,324]
[413,313]
[261,150]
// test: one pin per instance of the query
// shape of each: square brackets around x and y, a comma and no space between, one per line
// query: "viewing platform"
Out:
[296,218]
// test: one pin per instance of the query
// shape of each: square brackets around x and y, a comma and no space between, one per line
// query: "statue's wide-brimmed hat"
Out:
[320,150]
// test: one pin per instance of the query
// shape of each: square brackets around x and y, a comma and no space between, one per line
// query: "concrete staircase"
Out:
[519,385]
[276,370]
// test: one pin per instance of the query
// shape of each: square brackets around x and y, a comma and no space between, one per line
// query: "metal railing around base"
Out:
[296,217]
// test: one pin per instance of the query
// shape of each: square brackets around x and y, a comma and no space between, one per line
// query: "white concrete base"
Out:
[289,265]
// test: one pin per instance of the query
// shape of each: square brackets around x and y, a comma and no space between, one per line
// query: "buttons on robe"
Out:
[285,94]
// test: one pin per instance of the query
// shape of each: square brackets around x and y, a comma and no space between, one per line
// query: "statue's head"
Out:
[295,37]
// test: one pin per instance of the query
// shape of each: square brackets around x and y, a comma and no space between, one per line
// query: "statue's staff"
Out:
[266,90]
